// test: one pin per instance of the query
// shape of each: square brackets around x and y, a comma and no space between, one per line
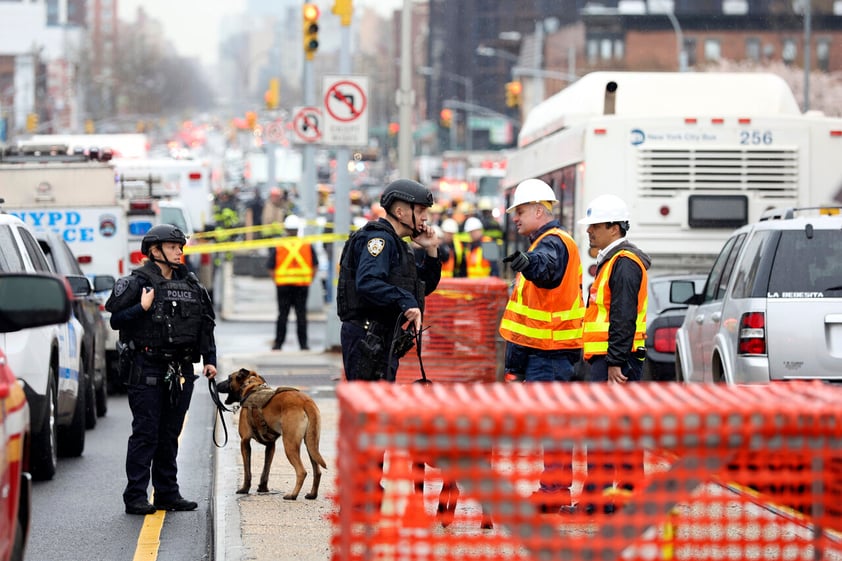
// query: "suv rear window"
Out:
[808,266]
[10,257]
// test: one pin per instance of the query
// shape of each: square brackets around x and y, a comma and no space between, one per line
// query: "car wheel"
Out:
[44,454]
[679,372]
[71,439]
[90,397]
[101,397]
[20,542]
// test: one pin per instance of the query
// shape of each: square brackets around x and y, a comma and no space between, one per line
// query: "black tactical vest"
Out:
[174,321]
[349,304]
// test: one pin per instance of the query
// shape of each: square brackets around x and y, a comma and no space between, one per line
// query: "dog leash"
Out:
[220,408]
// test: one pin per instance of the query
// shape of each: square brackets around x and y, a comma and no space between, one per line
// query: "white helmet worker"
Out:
[606,208]
[532,191]
[450,226]
[472,223]
[292,222]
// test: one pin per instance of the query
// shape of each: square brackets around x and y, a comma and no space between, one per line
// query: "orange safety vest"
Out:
[547,318]
[476,265]
[449,267]
[599,306]
[294,263]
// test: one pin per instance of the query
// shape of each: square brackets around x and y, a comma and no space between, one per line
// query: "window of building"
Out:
[713,49]
[690,51]
[605,49]
[619,49]
[789,50]
[592,50]
[753,49]
[823,54]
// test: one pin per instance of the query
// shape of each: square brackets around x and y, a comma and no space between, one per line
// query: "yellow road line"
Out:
[149,539]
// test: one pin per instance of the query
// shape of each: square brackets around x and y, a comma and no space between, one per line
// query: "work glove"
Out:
[518,261]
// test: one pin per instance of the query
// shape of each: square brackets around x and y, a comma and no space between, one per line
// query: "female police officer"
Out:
[381,286]
[166,321]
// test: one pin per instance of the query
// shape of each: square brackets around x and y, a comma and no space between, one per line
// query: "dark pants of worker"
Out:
[156,426]
[291,297]
[552,366]
[354,359]
[601,464]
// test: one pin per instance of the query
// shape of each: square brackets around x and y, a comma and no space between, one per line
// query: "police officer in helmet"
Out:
[382,286]
[166,322]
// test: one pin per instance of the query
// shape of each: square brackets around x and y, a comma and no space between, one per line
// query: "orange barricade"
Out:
[730,472]
[463,316]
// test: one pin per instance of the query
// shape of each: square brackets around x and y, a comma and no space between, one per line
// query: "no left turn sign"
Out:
[307,124]
[346,110]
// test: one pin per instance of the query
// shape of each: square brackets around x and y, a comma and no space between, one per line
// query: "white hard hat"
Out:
[450,226]
[292,222]
[473,223]
[531,191]
[606,208]
[485,203]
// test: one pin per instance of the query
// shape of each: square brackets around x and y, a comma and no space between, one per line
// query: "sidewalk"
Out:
[265,527]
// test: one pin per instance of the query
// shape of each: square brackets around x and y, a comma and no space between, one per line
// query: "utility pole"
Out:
[342,188]
[405,95]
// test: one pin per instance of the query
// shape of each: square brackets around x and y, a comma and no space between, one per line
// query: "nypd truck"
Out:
[74,196]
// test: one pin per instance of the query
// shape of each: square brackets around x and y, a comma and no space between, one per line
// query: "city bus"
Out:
[694,155]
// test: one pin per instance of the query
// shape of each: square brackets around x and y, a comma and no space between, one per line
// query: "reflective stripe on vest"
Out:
[599,307]
[294,264]
[475,264]
[547,318]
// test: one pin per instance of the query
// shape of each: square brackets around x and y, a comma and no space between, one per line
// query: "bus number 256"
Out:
[755,137]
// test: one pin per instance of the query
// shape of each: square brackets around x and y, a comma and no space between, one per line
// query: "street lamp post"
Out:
[468,84]
[499,53]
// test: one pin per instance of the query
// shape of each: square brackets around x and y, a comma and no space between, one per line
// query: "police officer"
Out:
[166,321]
[382,286]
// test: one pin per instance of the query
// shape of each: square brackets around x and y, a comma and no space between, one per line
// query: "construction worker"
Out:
[451,250]
[614,329]
[475,264]
[542,322]
[292,265]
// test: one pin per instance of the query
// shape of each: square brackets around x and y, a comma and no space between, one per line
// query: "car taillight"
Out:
[664,340]
[752,334]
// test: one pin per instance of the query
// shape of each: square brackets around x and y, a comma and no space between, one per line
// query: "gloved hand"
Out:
[518,261]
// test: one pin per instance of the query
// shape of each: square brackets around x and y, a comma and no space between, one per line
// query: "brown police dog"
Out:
[269,413]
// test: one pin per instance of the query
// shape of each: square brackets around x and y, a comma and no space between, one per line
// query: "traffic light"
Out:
[251,119]
[343,9]
[31,122]
[394,128]
[446,118]
[513,91]
[310,29]
[273,94]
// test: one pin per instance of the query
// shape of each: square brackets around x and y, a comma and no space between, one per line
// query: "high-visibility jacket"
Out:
[547,318]
[476,265]
[450,268]
[294,263]
[599,307]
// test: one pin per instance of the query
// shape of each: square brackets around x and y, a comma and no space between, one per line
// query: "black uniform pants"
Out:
[156,426]
[354,358]
[291,297]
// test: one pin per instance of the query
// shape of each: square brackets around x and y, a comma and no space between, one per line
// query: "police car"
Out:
[46,359]
[26,302]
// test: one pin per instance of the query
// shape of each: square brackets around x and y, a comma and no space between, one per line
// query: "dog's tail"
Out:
[313,432]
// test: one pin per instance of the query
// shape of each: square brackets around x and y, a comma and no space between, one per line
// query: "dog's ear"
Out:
[244,372]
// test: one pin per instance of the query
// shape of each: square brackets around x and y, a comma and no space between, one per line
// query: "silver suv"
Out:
[771,308]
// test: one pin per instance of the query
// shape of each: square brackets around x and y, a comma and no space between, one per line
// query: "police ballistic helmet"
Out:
[159,234]
[408,191]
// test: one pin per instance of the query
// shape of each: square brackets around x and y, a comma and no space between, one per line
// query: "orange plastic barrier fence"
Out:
[463,316]
[749,472]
